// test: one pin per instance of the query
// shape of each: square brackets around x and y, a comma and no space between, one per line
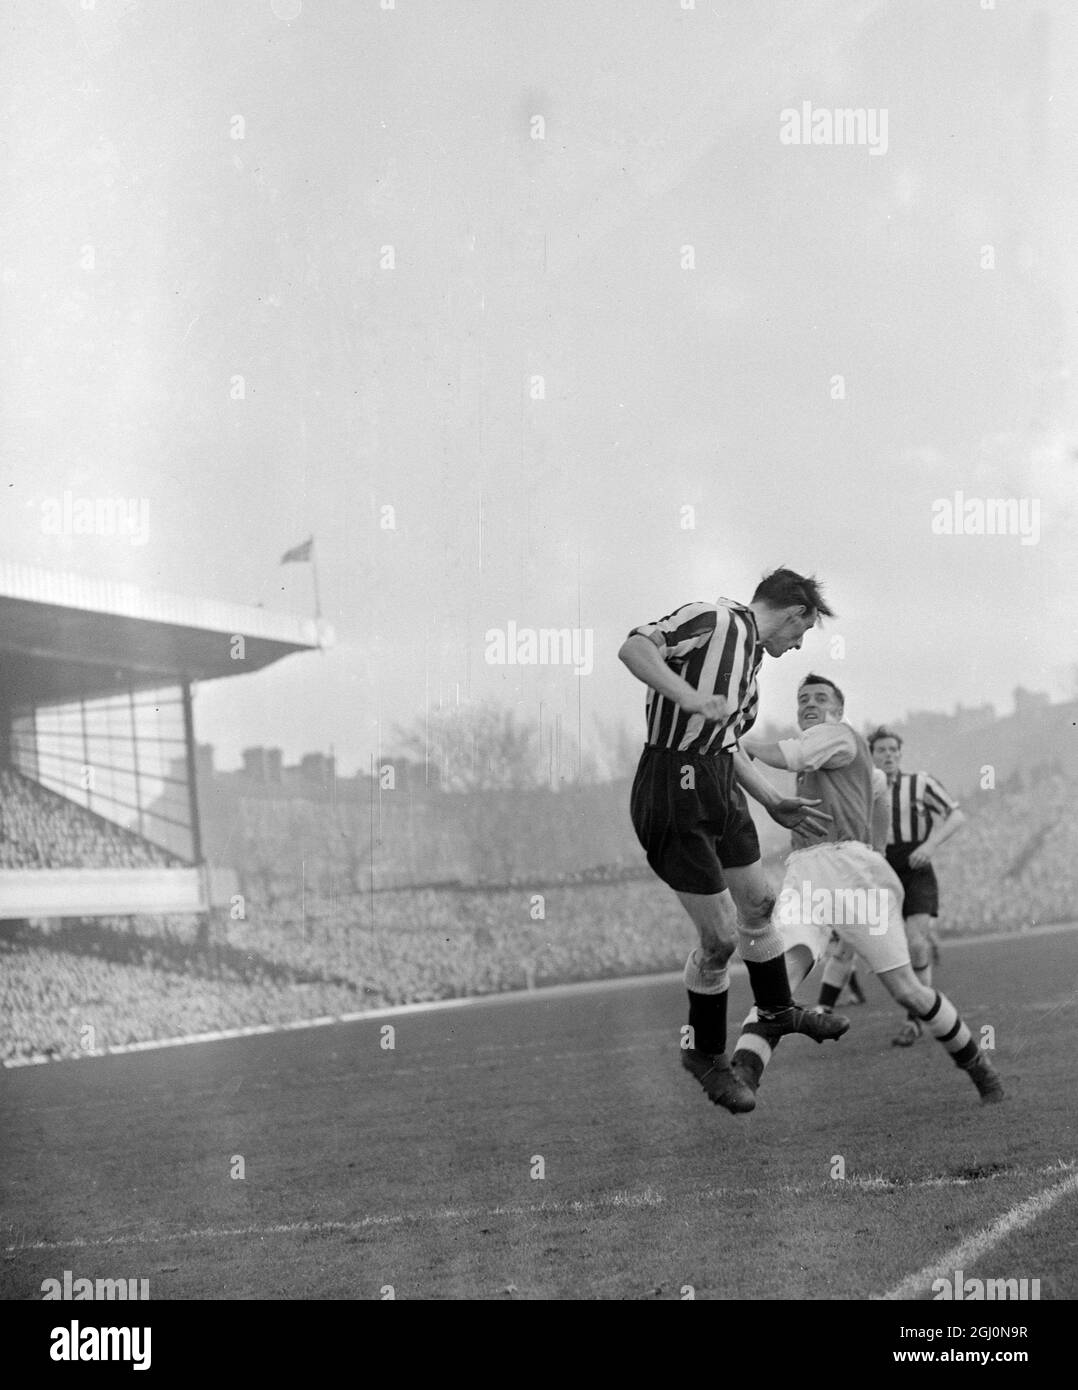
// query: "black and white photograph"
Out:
[538,663]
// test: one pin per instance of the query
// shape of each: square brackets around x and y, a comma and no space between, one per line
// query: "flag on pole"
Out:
[298,553]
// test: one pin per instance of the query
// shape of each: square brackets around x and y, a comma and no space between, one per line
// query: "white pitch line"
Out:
[648,1197]
[969,1251]
[362,1016]
[467,1001]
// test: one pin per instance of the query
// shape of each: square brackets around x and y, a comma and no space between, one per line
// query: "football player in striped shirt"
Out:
[689,811]
[922,817]
[839,873]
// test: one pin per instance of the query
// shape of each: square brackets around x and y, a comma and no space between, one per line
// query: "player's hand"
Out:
[800,813]
[920,857]
[710,706]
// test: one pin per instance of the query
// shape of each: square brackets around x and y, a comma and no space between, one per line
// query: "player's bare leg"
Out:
[942,1020]
[764,953]
[838,963]
[707,981]
[754,1047]
[918,928]
[740,914]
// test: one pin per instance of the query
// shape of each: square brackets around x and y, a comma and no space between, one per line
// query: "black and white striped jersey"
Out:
[716,648]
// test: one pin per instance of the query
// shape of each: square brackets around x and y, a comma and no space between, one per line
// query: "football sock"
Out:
[945,1024]
[753,1050]
[770,983]
[707,1019]
[836,972]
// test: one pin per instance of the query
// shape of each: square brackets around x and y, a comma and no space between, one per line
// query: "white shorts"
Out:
[847,888]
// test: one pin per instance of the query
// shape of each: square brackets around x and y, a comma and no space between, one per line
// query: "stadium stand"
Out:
[99,807]
[39,829]
[1014,863]
[316,951]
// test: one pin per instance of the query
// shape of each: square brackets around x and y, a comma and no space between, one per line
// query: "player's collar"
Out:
[746,611]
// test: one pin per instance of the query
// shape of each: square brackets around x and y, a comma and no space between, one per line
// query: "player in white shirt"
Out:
[836,879]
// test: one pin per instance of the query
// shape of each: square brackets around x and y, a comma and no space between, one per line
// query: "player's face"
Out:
[817,704]
[787,638]
[887,755]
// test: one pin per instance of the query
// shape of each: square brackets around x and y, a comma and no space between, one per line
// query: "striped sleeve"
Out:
[682,631]
[936,797]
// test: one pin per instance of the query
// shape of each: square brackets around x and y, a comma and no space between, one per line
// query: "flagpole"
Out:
[317,598]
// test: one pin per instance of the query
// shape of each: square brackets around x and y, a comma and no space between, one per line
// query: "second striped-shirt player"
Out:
[923,816]
[690,814]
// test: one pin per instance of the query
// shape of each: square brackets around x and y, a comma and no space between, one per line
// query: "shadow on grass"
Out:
[198,958]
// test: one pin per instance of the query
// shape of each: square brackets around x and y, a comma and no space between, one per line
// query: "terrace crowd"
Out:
[71,987]
[42,830]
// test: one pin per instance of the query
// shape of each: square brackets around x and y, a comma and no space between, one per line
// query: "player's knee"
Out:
[757,908]
[842,951]
[705,971]
[717,956]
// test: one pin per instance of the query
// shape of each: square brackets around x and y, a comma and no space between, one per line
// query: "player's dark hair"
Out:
[822,680]
[881,733]
[784,588]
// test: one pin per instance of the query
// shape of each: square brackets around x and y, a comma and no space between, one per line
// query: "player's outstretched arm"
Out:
[768,753]
[793,812]
[827,745]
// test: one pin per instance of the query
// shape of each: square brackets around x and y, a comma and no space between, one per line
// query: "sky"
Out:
[538,316]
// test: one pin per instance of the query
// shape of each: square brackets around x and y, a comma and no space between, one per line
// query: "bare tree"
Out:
[484,747]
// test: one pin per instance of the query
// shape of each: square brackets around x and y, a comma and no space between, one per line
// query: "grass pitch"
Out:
[550,1146]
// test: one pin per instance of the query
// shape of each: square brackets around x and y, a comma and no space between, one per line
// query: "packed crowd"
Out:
[68,988]
[1014,863]
[41,830]
[125,984]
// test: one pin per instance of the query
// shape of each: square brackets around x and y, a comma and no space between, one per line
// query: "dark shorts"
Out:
[920,885]
[692,818]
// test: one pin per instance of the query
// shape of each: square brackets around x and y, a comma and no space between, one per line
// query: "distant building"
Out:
[975,717]
[316,768]
[262,765]
[1026,701]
